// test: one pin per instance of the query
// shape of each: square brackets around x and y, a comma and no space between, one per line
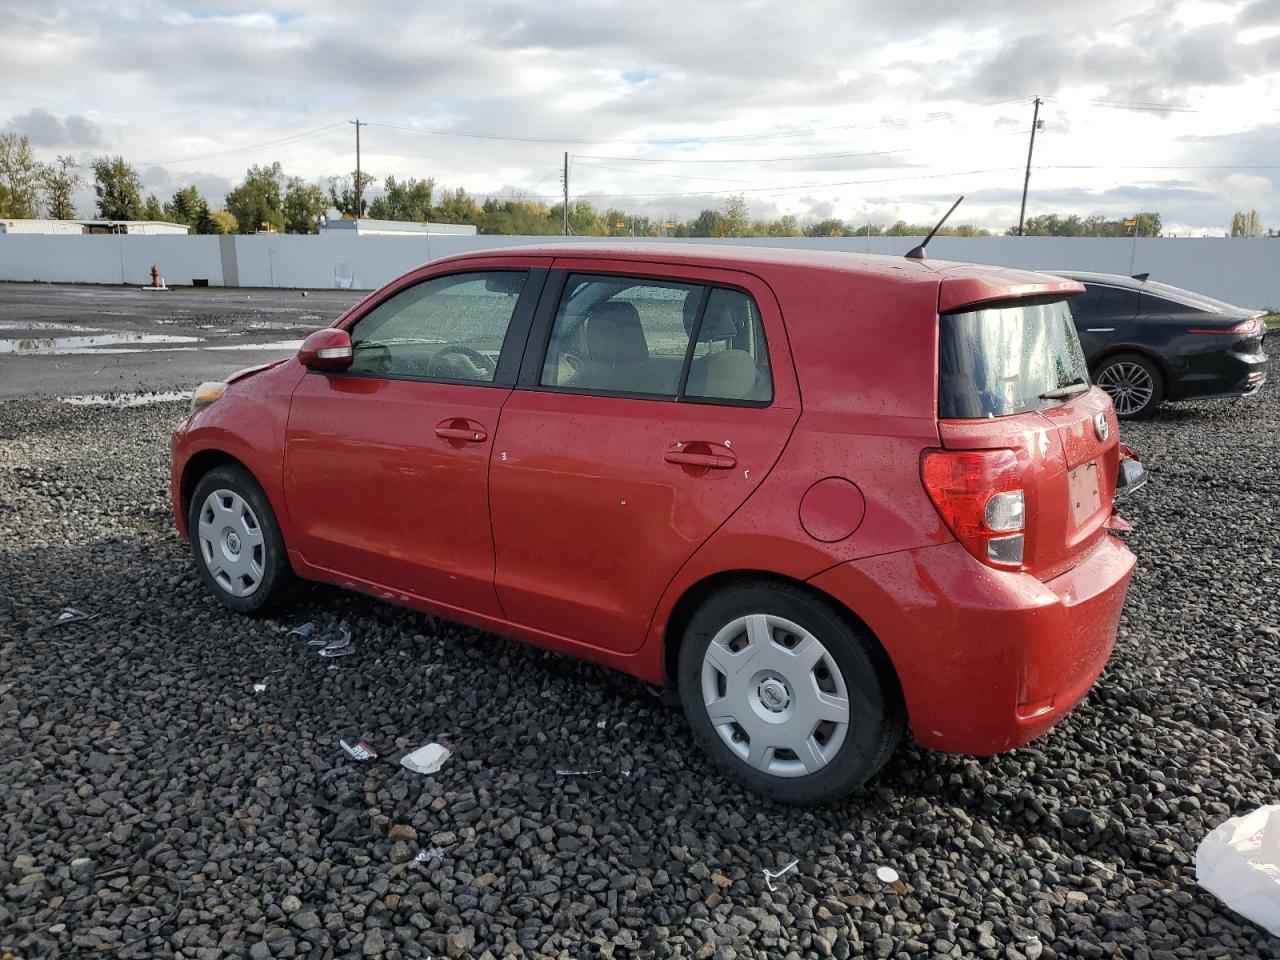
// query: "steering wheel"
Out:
[478,361]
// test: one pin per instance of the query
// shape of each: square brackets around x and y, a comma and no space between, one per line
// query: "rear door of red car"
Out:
[386,465]
[607,471]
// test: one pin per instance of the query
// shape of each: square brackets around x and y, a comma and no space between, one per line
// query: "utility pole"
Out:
[359,184]
[564,178]
[1035,125]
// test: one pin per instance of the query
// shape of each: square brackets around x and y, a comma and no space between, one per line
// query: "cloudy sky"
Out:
[863,109]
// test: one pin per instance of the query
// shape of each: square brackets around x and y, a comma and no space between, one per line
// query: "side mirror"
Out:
[327,349]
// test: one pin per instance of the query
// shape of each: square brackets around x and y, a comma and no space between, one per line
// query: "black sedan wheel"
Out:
[1134,384]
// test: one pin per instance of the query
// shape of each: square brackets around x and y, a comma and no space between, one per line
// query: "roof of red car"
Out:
[962,284]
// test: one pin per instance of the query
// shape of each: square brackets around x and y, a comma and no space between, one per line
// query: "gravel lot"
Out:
[154,805]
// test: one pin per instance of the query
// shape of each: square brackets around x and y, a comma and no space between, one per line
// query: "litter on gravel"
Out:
[1239,863]
[890,876]
[359,750]
[429,856]
[772,875]
[428,758]
[303,631]
[339,646]
[71,615]
[259,688]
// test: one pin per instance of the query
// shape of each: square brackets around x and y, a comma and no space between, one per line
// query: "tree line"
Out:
[270,200]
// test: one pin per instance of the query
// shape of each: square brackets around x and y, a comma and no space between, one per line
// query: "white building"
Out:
[135,227]
[395,228]
[76,227]
[48,227]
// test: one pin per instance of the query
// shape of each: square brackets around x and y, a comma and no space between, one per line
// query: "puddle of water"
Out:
[100,343]
[46,325]
[122,400]
[280,346]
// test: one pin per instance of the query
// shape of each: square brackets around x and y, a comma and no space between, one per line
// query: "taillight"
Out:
[1246,328]
[978,494]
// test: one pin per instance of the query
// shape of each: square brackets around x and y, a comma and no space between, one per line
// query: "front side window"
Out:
[1005,360]
[445,328]
[657,338]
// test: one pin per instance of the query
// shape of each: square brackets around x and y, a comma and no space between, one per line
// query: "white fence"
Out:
[1246,272]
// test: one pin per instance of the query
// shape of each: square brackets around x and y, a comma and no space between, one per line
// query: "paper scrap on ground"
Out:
[426,759]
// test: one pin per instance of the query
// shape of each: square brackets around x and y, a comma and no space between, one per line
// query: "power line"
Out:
[282,141]
[733,138]
[808,156]
[587,194]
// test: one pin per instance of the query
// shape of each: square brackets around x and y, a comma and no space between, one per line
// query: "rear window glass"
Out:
[1001,361]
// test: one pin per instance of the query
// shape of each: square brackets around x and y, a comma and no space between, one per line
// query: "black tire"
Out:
[876,714]
[277,581]
[1121,361]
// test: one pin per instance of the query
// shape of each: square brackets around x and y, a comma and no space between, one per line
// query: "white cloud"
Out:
[196,86]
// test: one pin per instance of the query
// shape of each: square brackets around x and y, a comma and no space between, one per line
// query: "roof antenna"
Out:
[917,253]
[1141,277]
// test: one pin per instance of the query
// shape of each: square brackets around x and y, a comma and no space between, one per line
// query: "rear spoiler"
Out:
[978,287]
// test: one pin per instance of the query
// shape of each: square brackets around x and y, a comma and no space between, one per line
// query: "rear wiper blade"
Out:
[1070,390]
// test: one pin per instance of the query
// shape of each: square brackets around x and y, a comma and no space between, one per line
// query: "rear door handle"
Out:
[459,429]
[702,455]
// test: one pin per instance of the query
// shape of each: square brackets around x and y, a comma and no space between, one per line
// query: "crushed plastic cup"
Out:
[427,759]
[302,631]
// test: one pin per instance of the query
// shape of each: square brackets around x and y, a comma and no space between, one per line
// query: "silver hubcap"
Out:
[231,542]
[775,696]
[1128,385]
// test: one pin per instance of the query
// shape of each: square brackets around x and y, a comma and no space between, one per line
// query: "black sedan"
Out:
[1147,342]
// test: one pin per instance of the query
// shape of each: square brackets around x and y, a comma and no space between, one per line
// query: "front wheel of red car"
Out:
[236,542]
[786,695]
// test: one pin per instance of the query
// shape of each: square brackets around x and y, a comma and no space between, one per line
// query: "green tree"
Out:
[1148,224]
[304,205]
[1246,224]
[153,209]
[830,227]
[408,200]
[258,202]
[59,181]
[203,221]
[456,206]
[20,177]
[184,207]
[735,221]
[118,188]
[225,222]
[342,193]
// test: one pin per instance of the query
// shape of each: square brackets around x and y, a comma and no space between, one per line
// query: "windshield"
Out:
[1003,360]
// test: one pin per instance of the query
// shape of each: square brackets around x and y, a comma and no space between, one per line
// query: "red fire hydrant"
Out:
[155,276]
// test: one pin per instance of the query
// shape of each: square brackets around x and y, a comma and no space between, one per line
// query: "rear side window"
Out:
[1002,360]
[660,339]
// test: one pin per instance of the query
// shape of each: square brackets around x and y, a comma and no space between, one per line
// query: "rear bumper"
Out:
[1226,374]
[988,659]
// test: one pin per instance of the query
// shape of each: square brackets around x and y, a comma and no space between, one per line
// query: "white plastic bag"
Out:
[1239,863]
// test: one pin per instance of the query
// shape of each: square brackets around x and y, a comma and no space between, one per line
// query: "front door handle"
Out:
[701,455]
[459,430]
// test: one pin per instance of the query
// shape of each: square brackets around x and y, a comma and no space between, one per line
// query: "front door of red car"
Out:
[386,464]
[653,413]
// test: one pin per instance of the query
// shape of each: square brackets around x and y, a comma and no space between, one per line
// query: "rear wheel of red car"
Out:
[236,542]
[1134,384]
[786,695]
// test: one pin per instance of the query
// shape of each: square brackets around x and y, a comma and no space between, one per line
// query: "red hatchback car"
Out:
[825,495]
